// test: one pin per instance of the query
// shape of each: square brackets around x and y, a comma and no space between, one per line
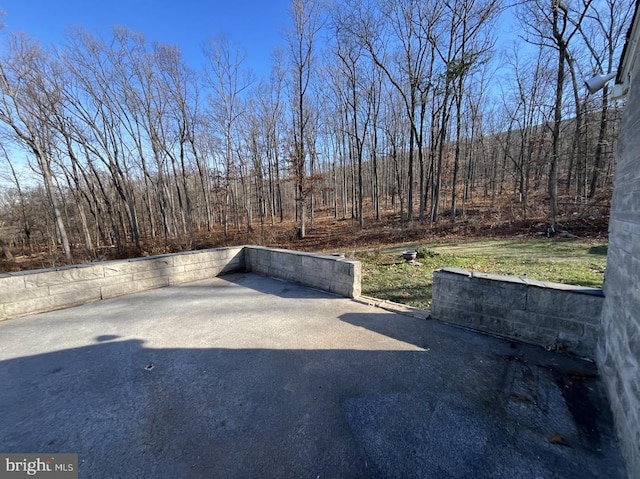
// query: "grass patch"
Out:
[385,275]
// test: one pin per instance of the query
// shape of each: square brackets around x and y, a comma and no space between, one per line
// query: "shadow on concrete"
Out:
[106,337]
[216,379]
[133,411]
[276,287]
[406,329]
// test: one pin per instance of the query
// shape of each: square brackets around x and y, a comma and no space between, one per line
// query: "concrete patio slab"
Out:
[246,376]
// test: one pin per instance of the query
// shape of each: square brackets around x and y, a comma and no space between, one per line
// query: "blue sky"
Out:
[257,25]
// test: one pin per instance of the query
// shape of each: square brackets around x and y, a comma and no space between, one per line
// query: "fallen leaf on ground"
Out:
[559,440]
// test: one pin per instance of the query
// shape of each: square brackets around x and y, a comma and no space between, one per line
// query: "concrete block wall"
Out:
[31,292]
[329,273]
[553,315]
[38,291]
[619,350]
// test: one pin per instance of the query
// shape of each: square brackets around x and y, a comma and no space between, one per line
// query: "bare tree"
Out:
[24,217]
[23,109]
[400,38]
[553,25]
[307,16]
[228,81]
[525,105]
[603,34]
[356,109]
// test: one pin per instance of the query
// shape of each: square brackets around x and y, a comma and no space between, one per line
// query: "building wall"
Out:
[619,348]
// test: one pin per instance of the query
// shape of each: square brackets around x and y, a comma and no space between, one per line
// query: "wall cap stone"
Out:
[69,267]
[328,256]
[568,288]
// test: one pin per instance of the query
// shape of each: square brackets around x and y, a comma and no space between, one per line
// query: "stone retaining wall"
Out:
[553,315]
[329,273]
[38,291]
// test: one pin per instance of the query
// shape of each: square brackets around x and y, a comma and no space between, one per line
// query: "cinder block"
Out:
[510,295]
[77,287]
[238,255]
[313,282]
[532,312]
[357,268]
[263,257]
[567,303]
[77,284]
[325,268]
[152,283]
[137,265]
[288,267]
[167,272]
[250,257]
[119,289]
[151,262]
[493,309]
[113,290]
[593,331]
[117,268]
[24,294]
[495,325]
[231,266]
[188,276]
[547,321]
[447,286]
[30,294]
[268,257]
[337,287]
[339,267]
[456,314]
[309,263]
[535,335]
[50,303]
[202,257]
[450,310]
[196,266]
[22,308]
[257,268]
[75,298]
[11,284]
[64,275]
[116,280]
[356,279]
[471,289]
[183,259]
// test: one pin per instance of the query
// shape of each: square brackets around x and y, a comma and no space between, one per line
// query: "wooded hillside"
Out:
[398,116]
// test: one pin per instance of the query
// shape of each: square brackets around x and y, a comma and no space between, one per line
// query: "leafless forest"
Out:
[402,113]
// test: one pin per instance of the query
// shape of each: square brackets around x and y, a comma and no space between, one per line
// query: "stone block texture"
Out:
[328,273]
[619,349]
[45,290]
[553,315]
